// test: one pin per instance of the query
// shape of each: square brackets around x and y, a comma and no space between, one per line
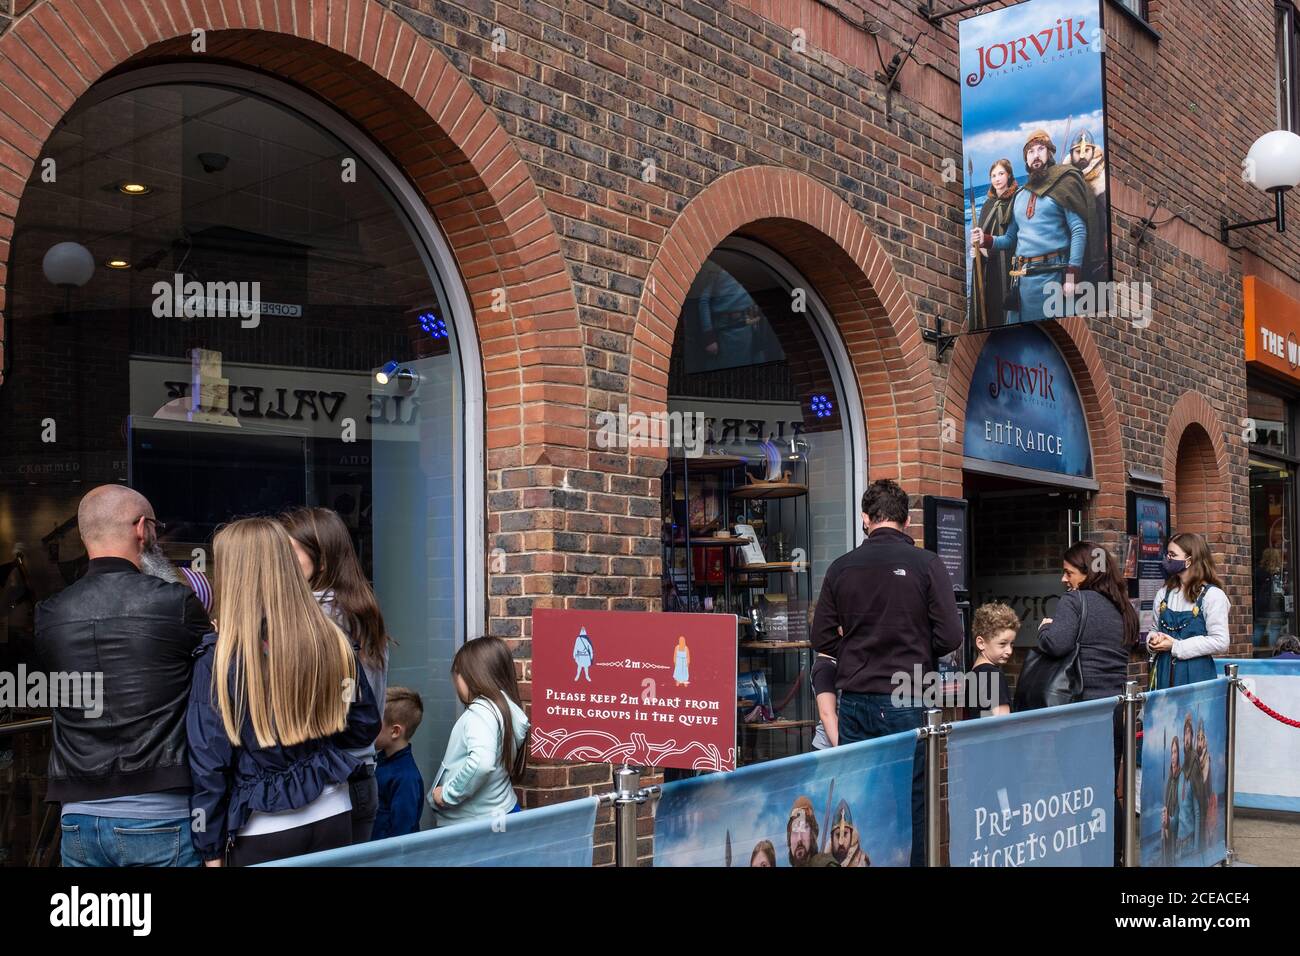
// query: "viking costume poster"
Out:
[1034,163]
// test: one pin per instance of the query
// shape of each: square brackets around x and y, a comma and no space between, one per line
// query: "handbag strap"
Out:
[1083,619]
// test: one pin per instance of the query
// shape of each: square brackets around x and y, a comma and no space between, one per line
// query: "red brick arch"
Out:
[403,92]
[1195,469]
[831,246]
[1079,349]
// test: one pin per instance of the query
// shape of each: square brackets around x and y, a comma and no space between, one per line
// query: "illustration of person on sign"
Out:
[583,654]
[1053,235]
[995,265]
[681,663]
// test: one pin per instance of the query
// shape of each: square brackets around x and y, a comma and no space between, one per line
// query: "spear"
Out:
[977,307]
[826,820]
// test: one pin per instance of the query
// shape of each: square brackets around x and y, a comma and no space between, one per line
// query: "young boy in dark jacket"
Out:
[401,788]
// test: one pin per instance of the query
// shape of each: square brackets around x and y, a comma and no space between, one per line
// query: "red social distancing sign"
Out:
[640,687]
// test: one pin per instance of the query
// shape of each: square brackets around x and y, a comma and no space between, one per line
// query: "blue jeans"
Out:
[868,716]
[122,841]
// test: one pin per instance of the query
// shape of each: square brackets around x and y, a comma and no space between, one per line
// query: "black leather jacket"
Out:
[140,633]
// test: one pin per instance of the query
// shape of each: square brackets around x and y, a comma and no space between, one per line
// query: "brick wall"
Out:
[531,157]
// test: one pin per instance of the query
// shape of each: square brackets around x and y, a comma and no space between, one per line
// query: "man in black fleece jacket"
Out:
[894,603]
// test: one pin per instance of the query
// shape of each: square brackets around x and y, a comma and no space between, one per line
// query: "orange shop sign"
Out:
[1272,328]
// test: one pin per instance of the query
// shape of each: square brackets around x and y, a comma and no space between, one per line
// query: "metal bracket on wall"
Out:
[936,335]
[927,10]
[888,75]
[1146,225]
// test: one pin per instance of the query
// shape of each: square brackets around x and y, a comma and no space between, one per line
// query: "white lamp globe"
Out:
[68,264]
[1273,162]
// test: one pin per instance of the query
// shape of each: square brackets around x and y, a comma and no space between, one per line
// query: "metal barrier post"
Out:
[1234,681]
[1131,699]
[627,797]
[933,730]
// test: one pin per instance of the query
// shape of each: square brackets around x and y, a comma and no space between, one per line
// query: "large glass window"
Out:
[755,516]
[261,328]
[1272,497]
[1272,516]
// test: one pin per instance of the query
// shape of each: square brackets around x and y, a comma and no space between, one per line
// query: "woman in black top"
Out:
[1111,631]
[1091,575]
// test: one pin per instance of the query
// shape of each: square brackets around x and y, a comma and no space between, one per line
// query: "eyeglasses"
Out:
[158,526]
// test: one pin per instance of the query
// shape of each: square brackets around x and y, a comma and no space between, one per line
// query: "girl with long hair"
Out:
[488,748]
[995,217]
[1191,615]
[323,546]
[275,699]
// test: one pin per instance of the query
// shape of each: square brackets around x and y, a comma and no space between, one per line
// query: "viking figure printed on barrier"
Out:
[846,845]
[1189,807]
[764,854]
[1209,799]
[801,836]
[1169,815]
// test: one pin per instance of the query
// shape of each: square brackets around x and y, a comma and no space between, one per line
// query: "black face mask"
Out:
[1173,566]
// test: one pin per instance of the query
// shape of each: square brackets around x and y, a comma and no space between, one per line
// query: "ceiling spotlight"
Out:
[117,263]
[134,189]
[821,406]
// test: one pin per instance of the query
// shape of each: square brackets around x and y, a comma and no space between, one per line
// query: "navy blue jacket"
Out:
[232,782]
[401,795]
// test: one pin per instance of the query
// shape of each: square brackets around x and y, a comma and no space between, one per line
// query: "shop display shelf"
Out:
[770,490]
[706,464]
[775,645]
[713,541]
[771,567]
[778,724]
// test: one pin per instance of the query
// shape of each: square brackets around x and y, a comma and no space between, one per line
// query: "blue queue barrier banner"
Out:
[844,806]
[558,835]
[1268,752]
[1034,789]
[1184,791]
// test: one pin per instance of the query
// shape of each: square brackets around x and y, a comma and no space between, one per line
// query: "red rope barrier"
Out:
[1267,709]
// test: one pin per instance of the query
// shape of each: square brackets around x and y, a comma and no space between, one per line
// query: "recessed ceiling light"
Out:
[134,189]
[117,263]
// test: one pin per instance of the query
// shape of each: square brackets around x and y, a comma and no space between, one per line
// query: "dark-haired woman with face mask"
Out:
[1191,615]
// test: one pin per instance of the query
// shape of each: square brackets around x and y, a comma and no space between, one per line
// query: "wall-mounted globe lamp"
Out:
[1272,166]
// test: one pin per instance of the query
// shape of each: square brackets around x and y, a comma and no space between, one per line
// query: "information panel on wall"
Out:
[945,535]
[642,687]
[1148,523]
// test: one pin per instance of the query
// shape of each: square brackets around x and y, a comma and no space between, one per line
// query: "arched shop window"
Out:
[232,305]
[755,360]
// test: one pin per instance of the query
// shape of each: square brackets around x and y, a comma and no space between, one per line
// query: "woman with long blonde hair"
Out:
[275,701]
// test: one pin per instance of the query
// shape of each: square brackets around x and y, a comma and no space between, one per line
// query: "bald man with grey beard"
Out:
[122,770]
